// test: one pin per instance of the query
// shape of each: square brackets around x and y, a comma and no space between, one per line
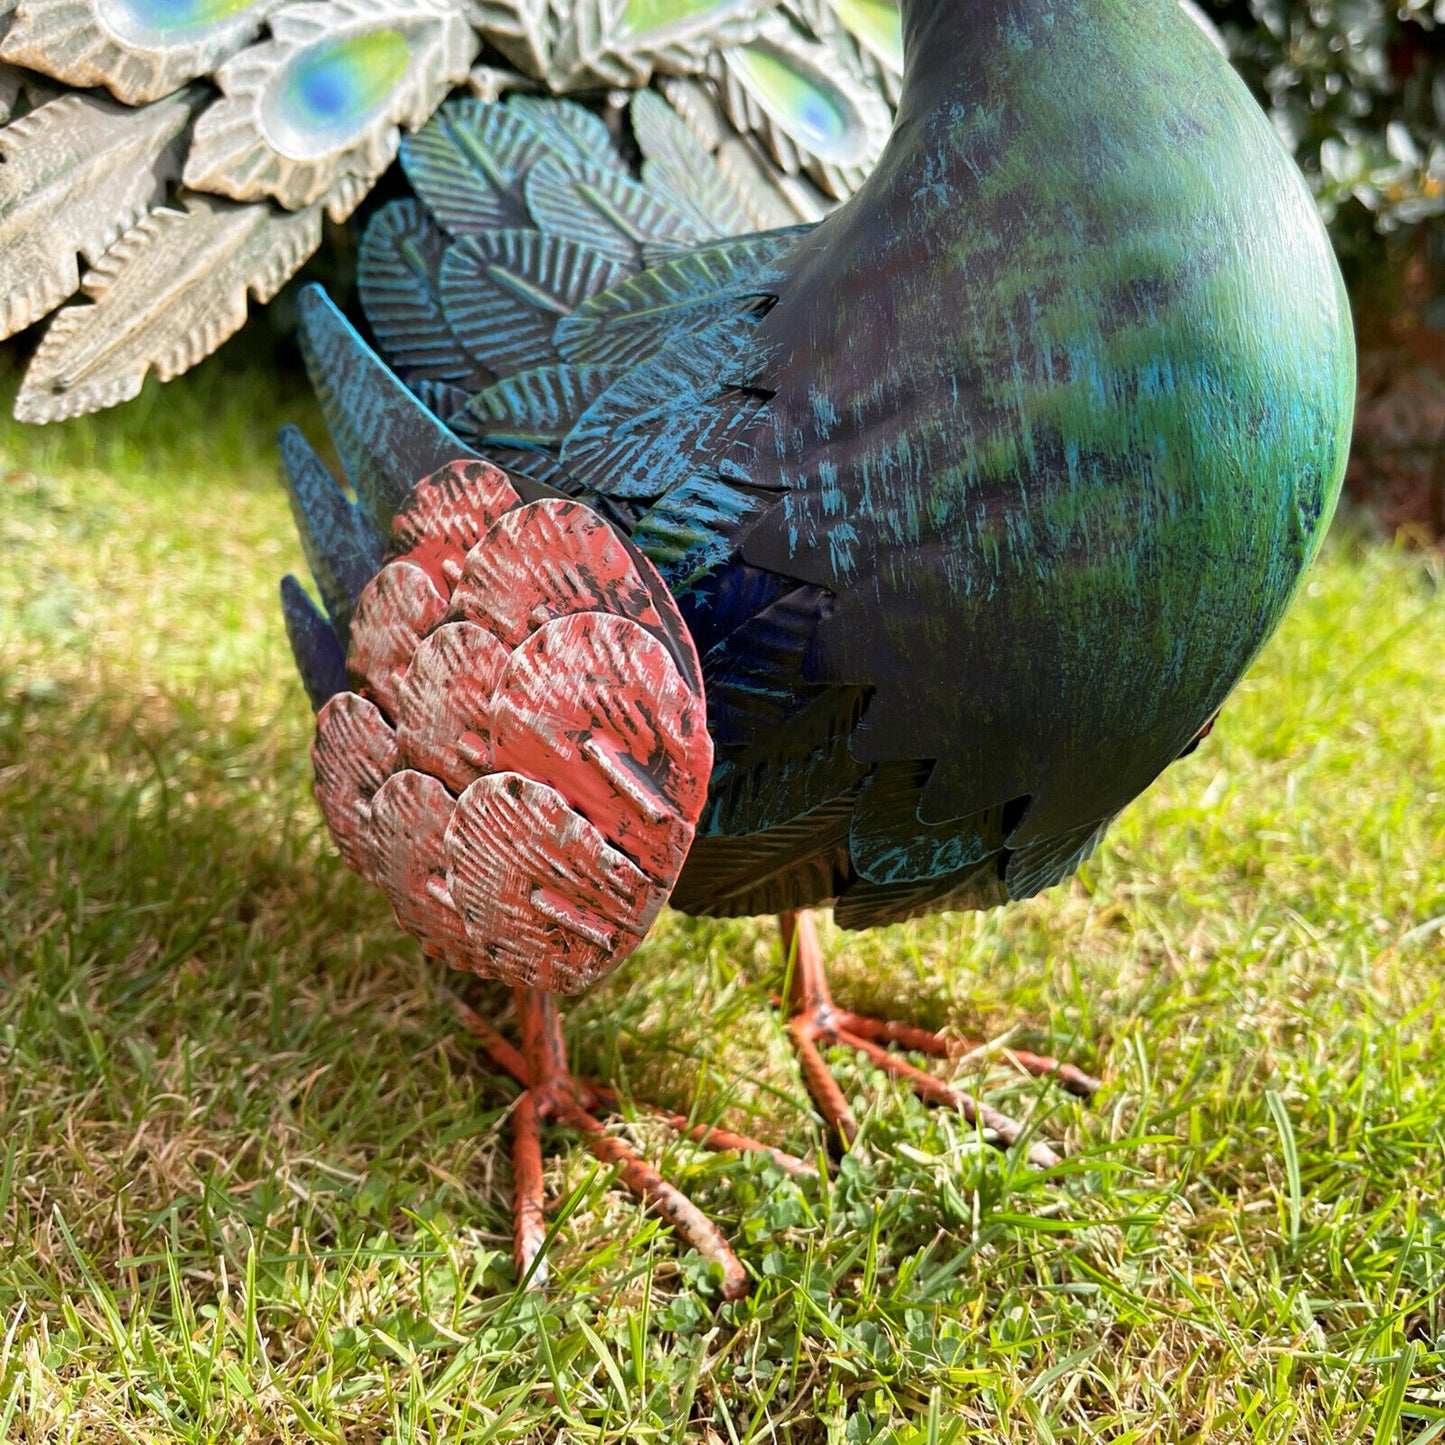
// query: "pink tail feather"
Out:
[525,756]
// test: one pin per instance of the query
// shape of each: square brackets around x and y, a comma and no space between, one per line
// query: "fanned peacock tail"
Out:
[197,146]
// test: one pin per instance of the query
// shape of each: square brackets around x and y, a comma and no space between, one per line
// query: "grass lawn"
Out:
[255,1189]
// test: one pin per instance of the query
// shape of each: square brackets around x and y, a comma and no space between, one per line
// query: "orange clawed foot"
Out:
[552,1093]
[814,1020]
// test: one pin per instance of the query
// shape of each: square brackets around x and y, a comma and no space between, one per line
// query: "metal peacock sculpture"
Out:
[709,547]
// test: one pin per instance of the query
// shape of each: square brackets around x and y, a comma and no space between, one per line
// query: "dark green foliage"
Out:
[1357,88]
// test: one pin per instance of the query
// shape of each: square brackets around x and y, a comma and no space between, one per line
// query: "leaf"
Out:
[78,173]
[169,292]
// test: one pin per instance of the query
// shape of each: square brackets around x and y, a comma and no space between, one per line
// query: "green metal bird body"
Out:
[1060,406]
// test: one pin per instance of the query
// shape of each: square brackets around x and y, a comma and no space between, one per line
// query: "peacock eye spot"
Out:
[328,92]
[170,18]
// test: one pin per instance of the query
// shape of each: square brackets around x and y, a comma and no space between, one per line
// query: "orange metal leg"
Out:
[551,1093]
[815,1020]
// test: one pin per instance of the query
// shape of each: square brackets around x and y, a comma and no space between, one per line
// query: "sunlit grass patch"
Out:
[254,1188]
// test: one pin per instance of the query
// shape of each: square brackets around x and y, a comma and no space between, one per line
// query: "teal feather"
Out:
[504,293]
[569,129]
[535,408]
[386,439]
[601,208]
[398,273]
[343,550]
[678,169]
[467,165]
[641,315]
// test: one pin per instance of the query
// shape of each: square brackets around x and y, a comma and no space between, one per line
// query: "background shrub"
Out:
[1357,89]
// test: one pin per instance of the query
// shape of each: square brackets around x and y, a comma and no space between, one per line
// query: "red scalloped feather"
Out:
[396,609]
[445,702]
[447,514]
[544,560]
[545,901]
[354,753]
[545,697]
[409,818]
[594,706]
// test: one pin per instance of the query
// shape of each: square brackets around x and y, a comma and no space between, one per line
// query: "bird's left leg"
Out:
[815,1019]
[552,1093]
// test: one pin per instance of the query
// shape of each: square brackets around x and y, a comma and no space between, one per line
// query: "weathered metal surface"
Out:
[313,96]
[322,101]
[161,298]
[530,759]
[78,173]
[545,900]
[398,607]
[139,50]
[551,559]
[447,515]
[354,754]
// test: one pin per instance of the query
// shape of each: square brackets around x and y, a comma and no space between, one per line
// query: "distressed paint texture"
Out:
[521,761]
[976,498]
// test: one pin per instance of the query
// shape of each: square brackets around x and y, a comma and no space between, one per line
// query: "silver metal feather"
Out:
[781,102]
[625,42]
[169,292]
[323,100]
[11,81]
[101,42]
[78,173]
[808,105]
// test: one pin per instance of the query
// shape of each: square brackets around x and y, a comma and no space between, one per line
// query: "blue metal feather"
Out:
[569,128]
[398,273]
[342,549]
[504,293]
[536,408]
[386,438]
[637,318]
[320,657]
[601,208]
[467,165]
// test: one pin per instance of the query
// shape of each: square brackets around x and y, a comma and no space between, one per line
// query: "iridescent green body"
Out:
[1063,399]
[977,497]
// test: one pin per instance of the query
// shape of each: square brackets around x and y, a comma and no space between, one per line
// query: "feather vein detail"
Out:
[139,51]
[523,759]
[164,296]
[756,118]
[78,173]
[319,105]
